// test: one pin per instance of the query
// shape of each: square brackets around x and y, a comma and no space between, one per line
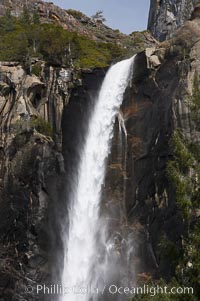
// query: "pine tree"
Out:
[8,22]
[25,17]
[98,16]
[36,18]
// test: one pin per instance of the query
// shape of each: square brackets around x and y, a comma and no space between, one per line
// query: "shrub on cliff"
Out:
[183,172]
[42,126]
[184,175]
[24,38]
[75,13]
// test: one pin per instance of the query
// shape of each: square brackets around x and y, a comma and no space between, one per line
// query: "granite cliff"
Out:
[165,16]
[42,118]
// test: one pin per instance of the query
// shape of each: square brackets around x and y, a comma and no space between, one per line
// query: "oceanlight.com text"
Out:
[57,289]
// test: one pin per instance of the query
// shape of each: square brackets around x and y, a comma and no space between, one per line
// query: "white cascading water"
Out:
[81,244]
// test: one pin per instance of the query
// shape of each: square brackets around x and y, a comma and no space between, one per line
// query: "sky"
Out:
[125,15]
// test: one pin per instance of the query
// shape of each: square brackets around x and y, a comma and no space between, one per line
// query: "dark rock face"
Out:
[31,166]
[75,119]
[155,105]
[165,16]
[35,169]
[137,193]
[25,236]
[77,113]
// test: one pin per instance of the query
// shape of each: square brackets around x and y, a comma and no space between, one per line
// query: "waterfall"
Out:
[81,243]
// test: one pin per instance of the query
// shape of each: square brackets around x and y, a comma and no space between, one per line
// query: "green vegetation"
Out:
[168,249]
[75,13]
[183,171]
[178,171]
[24,38]
[136,40]
[38,123]
[42,126]
[36,69]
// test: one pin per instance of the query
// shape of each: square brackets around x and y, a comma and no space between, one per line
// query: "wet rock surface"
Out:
[155,105]
[36,168]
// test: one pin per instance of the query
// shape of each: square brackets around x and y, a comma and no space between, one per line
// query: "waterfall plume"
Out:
[84,264]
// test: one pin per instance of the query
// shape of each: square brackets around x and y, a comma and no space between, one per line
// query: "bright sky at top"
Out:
[126,15]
